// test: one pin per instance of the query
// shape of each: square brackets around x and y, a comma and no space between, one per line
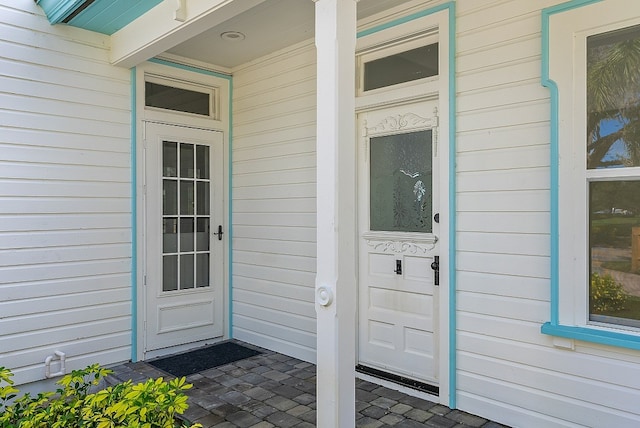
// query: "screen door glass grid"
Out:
[186,208]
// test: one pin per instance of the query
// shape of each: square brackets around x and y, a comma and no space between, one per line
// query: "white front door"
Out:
[398,241]
[183,251]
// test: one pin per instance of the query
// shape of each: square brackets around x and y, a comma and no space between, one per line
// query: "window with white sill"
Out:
[594,61]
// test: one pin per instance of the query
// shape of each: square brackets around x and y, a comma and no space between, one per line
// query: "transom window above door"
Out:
[396,64]
[183,97]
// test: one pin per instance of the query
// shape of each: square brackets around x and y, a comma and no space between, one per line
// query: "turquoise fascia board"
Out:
[451,7]
[109,16]
[58,10]
[553,327]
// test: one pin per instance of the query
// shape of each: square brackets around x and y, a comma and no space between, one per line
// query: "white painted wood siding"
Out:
[507,370]
[274,205]
[65,229]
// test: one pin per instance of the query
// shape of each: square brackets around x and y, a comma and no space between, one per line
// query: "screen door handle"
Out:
[219,233]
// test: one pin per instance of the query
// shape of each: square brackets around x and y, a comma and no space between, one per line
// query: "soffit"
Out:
[268,27]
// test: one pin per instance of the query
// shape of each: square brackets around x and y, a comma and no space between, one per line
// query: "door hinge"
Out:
[144,280]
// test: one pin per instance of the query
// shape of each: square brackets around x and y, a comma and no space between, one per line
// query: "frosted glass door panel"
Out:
[401,182]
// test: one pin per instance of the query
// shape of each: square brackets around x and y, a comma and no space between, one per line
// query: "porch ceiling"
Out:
[269,26]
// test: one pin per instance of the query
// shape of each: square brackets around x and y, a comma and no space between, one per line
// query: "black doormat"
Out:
[203,358]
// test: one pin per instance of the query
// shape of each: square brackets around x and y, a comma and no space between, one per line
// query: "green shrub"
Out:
[607,295]
[153,404]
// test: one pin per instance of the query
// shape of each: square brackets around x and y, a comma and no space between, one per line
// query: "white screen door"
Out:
[183,252]
[398,194]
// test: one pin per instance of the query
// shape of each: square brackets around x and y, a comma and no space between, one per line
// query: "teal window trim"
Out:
[553,327]
[451,8]
[588,334]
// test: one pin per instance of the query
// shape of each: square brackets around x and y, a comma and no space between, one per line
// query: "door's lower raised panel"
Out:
[185,315]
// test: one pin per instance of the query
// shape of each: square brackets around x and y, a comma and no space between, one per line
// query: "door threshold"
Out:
[400,380]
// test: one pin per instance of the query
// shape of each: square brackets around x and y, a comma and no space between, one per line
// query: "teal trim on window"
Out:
[109,16]
[405,19]
[58,10]
[553,327]
[134,223]
[451,7]
[553,89]
[191,68]
[604,337]
[229,166]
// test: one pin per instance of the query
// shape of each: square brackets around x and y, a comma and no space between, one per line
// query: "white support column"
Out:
[336,213]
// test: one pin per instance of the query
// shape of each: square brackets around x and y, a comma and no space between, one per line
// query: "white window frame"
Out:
[181,77]
[422,31]
[389,49]
[436,23]
[211,92]
[569,25]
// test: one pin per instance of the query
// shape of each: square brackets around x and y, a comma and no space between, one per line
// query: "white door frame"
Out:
[195,314]
[220,122]
[417,247]
[439,89]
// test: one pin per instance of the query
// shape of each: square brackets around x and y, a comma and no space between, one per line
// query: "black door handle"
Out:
[398,270]
[436,270]
[219,233]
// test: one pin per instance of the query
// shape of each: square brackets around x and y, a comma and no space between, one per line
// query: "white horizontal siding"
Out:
[274,205]
[65,207]
[507,370]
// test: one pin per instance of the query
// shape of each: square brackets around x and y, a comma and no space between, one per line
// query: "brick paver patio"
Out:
[274,390]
